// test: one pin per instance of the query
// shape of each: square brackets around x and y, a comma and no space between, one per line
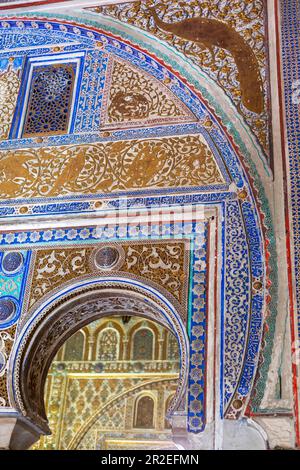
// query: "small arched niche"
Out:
[74,347]
[144,412]
[143,346]
[108,344]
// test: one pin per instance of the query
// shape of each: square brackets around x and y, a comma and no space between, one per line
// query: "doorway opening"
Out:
[110,386]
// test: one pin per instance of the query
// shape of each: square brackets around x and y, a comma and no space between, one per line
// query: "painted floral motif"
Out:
[135,98]
[117,166]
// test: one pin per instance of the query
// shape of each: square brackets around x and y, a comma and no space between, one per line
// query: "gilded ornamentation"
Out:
[226,26]
[161,262]
[85,396]
[237,299]
[92,406]
[9,89]
[133,96]
[108,167]
[86,406]
[70,170]
[128,399]
[109,422]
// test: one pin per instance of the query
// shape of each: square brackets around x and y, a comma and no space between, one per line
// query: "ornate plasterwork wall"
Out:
[232,264]
[198,318]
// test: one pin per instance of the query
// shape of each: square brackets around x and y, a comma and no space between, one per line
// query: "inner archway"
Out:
[98,397]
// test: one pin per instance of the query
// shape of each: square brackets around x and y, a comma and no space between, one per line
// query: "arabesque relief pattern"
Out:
[83,397]
[106,167]
[134,97]
[164,263]
[114,424]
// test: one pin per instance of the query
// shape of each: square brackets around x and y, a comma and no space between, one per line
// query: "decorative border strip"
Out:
[198,338]
[97,207]
[287,35]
